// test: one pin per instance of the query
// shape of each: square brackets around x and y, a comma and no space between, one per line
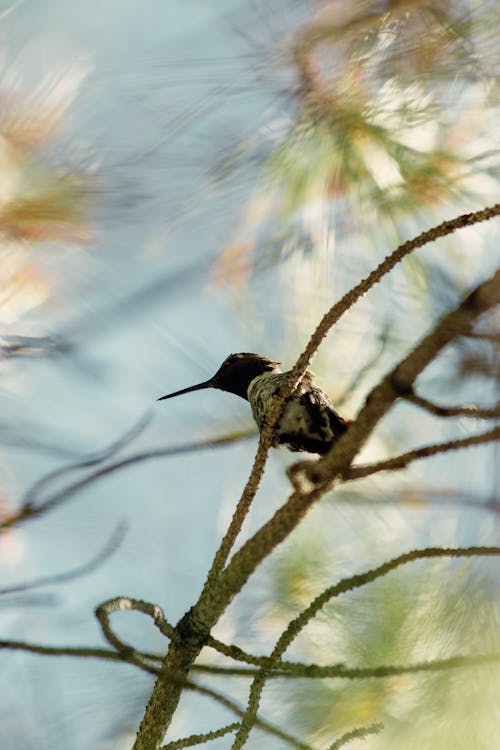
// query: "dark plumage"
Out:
[309,421]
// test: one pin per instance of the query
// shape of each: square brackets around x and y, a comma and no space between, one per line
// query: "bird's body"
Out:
[309,421]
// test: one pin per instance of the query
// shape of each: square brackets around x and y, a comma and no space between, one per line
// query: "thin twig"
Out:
[327,671]
[298,623]
[219,591]
[86,463]
[356,733]
[29,511]
[403,460]
[109,548]
[303,362]
[120,603]
[240,512]
[200,739]
[359,290]
[477,412]
[119,657]
[263,724]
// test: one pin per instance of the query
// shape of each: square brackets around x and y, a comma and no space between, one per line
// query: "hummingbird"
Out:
[309,421]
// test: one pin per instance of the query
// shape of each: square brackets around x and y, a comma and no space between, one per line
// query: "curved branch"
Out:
[29,510]
[300,367]
[109,548]
[397,384]
[93,460]
[121,658]
[355,733]
[261,723]
[346,584]
[220,589]
[359,290]
[104,610]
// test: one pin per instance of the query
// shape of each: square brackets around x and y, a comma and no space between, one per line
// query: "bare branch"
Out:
[238,710]
[121,658]
[318,671]
[29,510]
[493,338]
[323,472]
[346,584]
[477,412]
[353,295]
[403,460]
[398,383]
[361,579]
[240,512]
[75,651]
[221,587]
[109,548]
[93,460]
[300,367]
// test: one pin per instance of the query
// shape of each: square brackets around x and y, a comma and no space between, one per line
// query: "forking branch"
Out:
[311,480]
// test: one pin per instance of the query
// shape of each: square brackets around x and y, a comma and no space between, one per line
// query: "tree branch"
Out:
[109,548]
[194,628]
[477,412]
[403,460]
[298,623]
[199,739]
[303,362]
[30,509]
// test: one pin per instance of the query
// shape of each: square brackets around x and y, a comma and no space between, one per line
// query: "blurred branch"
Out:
[29,510]
[360,375]
[28,346]
[93,460]
[109,549]
[402,461]
[452,411]
[493,338]
[319,33]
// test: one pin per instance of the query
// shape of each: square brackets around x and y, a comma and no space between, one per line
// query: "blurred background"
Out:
[183,180]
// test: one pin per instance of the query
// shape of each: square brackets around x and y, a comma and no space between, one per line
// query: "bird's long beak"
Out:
[199,387]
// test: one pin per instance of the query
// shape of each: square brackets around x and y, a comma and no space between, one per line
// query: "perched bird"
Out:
[308,423]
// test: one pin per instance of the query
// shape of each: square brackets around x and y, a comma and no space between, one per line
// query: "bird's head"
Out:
[234,375]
